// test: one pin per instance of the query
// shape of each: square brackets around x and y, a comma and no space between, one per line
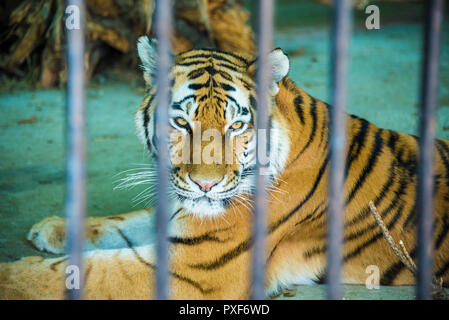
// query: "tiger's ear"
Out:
[279,68]
[146,49]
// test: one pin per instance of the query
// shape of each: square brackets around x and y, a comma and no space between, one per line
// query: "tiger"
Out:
[210,222]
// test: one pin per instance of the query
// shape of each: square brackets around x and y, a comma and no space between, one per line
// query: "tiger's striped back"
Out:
[381,166]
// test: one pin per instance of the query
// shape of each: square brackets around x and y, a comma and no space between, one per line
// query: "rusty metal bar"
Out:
[340,36]
[263,78]
[429,95]
[163,24]
[76,160]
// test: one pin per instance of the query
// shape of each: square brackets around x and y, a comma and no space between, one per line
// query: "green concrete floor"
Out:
[384,82]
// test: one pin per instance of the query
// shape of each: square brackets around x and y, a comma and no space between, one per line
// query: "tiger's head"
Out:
[212,118]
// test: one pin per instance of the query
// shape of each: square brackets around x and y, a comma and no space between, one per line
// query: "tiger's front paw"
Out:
[48,235]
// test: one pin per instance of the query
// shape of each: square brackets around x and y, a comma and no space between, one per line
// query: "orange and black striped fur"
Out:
[211,246]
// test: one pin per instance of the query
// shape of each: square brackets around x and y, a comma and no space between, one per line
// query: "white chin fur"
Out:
[203,208]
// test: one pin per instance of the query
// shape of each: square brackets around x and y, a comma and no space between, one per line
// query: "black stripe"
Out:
[412,216]
[378,199]
[309,253]
[324,136]
[197,86]
[55,264]
[443,232]
[235,101]
[298,105]
[394,137]
[191,63]
[357,143]
[317,216]
[87,273]
[228,66]
[146,120]
[407,158]
[227,87]
[443,145]
[373,239]
[152,266]
[196,240]
[275,225]
[312,214]
[375,152]
[252,101]
[225,75]
[444,156]
[192,283]
[366,211]
[443,270]
[196,73]
[177,106]
[211,55]
[185,98]
[210,70]
[225,258]
[443,151]
[314,124]
[246,84]
[214,50]
[321,277]
[155,139]
[320,250]
[393,271]
[178,211]
[274,250]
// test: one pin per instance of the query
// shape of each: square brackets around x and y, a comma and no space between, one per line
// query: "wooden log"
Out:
[36,33]
[35,20]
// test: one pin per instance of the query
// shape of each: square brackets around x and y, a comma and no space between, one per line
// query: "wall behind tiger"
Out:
[385,64]
[384,82]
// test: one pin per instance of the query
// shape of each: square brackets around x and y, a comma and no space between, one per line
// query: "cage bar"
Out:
[263,81]
[340,35]
[429,95]
[76,145]
[163,25]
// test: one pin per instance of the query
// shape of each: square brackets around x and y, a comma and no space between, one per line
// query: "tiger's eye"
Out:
[180,121]
[237,125]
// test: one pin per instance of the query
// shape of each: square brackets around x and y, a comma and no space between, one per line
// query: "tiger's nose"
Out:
[205,185]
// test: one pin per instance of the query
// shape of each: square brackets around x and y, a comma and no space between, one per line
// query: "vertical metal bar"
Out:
[265,35]
[76,161]
[339,62]
[163,26]
[429,93]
